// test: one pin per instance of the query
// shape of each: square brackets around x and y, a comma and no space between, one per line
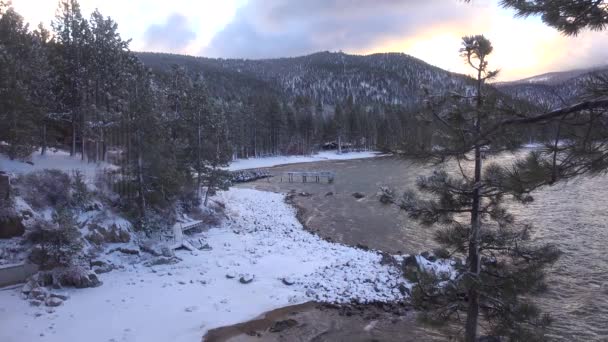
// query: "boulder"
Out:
[162,261]
[280,326]
[230,275]
[35,302]
[246,278]
[11,226]
[167,252]
[358,195]
[61,295]
[288,281]
[53,302]
[39,293]
[430,256]
[79,279]
[410,268]
[103,269]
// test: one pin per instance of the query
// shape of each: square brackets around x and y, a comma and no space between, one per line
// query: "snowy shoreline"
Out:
[180,302]
[255,163]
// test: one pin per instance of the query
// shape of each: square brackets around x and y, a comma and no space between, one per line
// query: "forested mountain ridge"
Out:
[552,90]
[325,77]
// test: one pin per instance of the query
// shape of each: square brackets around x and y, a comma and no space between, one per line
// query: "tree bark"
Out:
[473,255]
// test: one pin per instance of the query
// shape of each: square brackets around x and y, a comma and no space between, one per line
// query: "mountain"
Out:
[327,78]
[552,90]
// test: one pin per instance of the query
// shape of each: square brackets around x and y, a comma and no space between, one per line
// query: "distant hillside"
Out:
[327,78]
[552,90]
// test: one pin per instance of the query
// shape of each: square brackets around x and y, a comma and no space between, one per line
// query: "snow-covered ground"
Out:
[59,160]
[180,302]
[253,163]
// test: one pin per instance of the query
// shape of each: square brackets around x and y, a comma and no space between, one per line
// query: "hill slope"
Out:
[326,77]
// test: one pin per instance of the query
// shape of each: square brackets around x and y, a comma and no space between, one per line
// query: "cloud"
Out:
[274,28]
[430,30]
[173,36]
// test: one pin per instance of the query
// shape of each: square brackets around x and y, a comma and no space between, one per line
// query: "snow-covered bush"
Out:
[46,188]
[57,243]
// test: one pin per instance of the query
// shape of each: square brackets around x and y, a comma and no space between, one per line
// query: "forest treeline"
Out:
[172,122]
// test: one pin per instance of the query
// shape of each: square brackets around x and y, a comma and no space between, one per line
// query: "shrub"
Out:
[46,188]
[81,195]
[57,244]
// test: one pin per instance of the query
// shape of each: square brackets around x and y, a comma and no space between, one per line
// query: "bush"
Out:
[56,244]
[81,196]
[47,188]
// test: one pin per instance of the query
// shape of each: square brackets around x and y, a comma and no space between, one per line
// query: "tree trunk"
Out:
[473,257]
[43,149]
[73,150]
[140,178]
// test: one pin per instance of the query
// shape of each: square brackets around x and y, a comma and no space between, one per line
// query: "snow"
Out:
[180,302]
[253,163]
[58,160]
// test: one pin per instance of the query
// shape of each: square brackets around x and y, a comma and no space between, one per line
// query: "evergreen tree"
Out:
[468,206]
[72,37]
[25,84]
[569,17]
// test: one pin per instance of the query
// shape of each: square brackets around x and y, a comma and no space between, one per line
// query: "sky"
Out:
[428,29]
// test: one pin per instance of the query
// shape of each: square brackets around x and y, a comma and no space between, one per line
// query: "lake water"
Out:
[573,216]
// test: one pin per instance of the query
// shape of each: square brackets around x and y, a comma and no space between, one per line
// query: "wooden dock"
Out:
[315,176]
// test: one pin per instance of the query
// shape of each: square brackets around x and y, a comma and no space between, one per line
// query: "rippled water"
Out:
[573,215]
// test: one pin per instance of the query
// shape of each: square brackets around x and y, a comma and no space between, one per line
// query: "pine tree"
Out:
[71,33]
[569,17]
[25,84]
[468,207]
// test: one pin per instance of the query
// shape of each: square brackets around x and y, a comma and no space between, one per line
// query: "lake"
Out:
[571,215]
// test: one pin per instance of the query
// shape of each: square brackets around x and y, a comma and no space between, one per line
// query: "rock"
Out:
[246,278]
[39,293]
[230,275]
[35,302]
[61,295]
[103,269]
[167,252]
[53,302]
[358,195]
[127,250]
[5,186]
[329,194]
[98,263]
[11,226]
[410,260]
[362,246]
[280,326]
[162,261]
[410,268]
[95,238]
[151,248]
[28,287]
[429,256]
[191,309]
[288,281]
[79,279]
[304,194]
[404,290]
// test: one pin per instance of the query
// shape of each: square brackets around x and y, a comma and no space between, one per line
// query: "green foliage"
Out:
[569,17]
[56,244]
[468,209]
